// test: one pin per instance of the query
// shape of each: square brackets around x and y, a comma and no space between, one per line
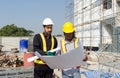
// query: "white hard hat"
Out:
[47,21]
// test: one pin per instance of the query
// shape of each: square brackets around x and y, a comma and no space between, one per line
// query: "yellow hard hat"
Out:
[68,27]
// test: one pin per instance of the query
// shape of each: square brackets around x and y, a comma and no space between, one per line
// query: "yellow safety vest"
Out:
[38,61]
[64,47]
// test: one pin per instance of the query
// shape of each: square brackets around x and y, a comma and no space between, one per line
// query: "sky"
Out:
[31,13]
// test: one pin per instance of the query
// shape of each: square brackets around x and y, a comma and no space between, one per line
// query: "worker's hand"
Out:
[77,67]
[50,53]
[85,58]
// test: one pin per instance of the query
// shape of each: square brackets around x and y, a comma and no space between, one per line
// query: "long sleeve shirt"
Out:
[69,46]
[38,45]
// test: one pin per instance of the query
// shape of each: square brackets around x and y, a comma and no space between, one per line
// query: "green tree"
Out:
[13,30]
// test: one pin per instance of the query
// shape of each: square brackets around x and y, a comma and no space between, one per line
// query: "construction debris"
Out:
[92,56]
[10,60]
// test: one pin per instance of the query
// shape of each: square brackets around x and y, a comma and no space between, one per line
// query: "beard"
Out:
[49,32]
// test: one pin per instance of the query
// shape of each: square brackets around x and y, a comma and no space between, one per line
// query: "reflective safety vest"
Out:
[39,61]
[63,47]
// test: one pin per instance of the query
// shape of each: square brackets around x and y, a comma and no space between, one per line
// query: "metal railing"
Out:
[20,72]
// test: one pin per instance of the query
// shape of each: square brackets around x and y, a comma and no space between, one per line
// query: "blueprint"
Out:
[68,60]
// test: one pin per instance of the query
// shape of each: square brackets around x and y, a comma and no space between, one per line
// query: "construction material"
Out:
[23,45]
[11,60]
[26,56]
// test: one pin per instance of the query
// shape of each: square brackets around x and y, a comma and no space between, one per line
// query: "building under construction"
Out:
[97,23]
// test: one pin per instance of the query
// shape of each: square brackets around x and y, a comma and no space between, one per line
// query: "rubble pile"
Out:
[11,60]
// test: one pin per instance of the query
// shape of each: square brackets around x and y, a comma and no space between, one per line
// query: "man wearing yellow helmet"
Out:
[68,43]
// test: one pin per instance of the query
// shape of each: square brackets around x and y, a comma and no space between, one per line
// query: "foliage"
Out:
[13,30]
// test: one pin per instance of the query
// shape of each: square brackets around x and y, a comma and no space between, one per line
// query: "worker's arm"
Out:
[37,41]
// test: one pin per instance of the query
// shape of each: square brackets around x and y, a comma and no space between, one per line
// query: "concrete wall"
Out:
[14,42]
[11,42]
[0,41]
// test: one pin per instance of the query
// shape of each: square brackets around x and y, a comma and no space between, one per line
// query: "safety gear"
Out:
[68,27]
[64,47]
[47,21]
[44,42]
[39,61]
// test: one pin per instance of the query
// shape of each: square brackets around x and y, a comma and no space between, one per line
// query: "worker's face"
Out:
[69,36]
[48,29]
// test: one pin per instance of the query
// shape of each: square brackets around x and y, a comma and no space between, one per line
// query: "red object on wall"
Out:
[26,56]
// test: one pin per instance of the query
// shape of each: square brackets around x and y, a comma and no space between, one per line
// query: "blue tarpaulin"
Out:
[99,74]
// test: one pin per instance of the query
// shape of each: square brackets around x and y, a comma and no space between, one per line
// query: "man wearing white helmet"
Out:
[42,43]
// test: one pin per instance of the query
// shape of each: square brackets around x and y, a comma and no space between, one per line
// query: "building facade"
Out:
[97,23]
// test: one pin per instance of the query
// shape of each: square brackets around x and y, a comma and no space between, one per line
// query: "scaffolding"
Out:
[96,22]
[69,10]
